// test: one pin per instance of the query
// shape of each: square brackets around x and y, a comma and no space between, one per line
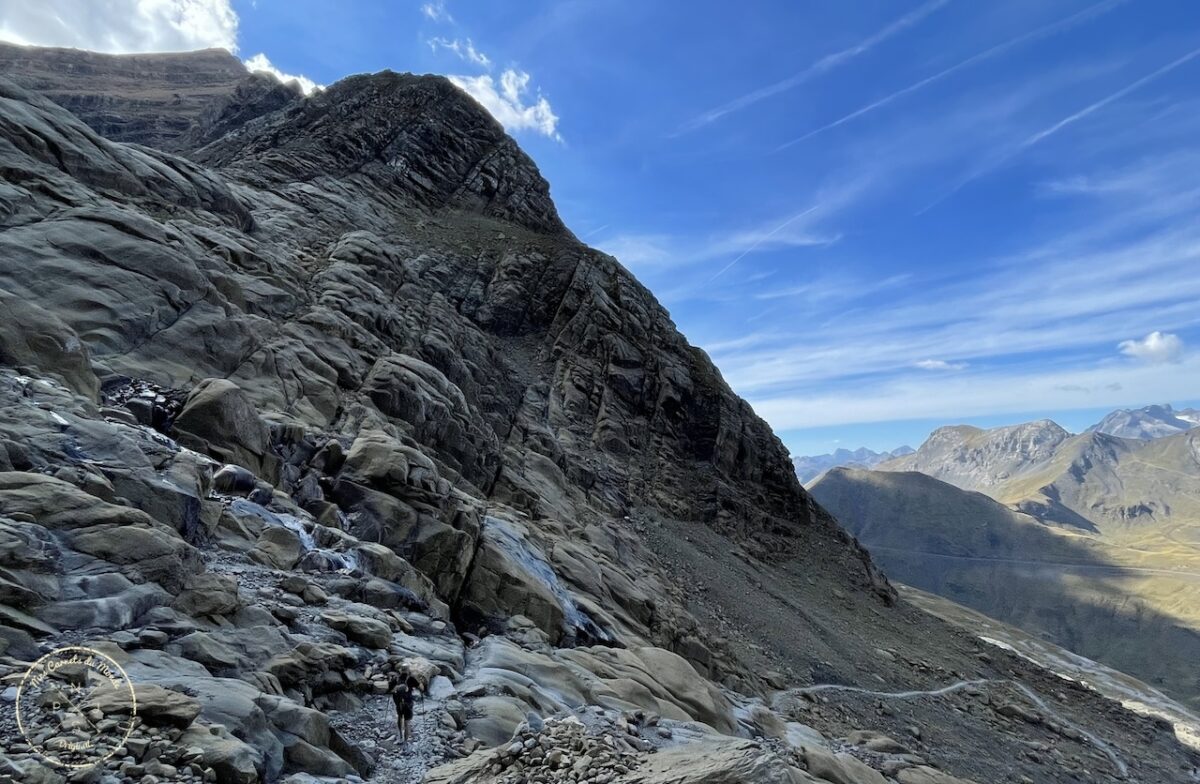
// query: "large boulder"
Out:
[383,562]
[233,760]
[308,661]
[208,594]
[118,611]
[153,704]
[218,418]
[278,547]
[723,761]
[511,576]
[840,768]
[648,672]
[365,631]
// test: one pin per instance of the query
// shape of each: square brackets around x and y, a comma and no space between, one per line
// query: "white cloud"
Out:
[505,100]
[436,10]
[1157,348]
[121,26]
[464,49]
[939,364]
[259,62]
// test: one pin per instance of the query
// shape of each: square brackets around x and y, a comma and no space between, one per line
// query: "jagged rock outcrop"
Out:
[338,395]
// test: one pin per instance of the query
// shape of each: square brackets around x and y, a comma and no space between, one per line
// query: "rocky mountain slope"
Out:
[1129,609]
[1147,422]
[337,394]
[809,467]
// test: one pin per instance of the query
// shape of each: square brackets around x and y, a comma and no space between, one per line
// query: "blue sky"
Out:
[877,217]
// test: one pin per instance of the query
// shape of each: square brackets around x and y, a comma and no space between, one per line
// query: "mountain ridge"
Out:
[809,467]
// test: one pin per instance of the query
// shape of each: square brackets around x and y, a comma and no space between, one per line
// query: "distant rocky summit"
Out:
[171,101]
[1148,422]
[295,400]
[1092,481]
[809,467]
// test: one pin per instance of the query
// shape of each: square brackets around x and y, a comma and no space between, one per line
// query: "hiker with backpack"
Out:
[405,691]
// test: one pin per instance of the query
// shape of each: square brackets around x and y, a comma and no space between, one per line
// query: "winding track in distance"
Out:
[1033,697]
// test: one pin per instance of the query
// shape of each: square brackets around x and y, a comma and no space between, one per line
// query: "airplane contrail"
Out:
[763,239]
[987,54]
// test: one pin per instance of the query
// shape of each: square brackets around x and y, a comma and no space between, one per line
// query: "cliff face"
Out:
[151,99]
[345,354]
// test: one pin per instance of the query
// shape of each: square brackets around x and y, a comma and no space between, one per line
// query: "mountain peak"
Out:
[1148,422]
[973,457]
[417,137]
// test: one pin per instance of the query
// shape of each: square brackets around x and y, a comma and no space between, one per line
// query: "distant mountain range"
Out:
[1092,540]
[1142,424]
[809,467]
[1092,482]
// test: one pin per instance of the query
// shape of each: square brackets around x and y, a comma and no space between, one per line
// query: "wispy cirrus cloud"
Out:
[716,252]
[1045,328]
[435,10]
[823,65]
[463,49]
[999,159]
[964,396]
[756,240]
[660,250]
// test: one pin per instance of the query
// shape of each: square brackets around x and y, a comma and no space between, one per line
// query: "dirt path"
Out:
[373,727]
